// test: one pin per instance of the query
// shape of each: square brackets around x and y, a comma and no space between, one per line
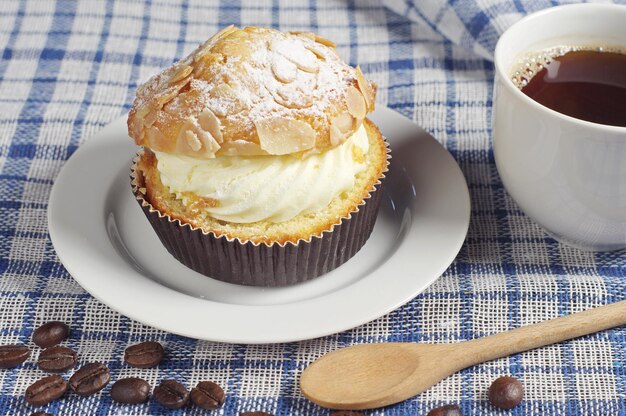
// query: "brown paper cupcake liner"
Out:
[247,263]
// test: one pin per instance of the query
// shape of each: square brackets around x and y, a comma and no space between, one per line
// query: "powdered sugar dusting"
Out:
[245,76]
[308,95]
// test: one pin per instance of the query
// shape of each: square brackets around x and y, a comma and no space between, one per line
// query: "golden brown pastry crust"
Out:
[252,91]
[299,228]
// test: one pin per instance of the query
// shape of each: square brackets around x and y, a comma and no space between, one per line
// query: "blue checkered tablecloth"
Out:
[69,68]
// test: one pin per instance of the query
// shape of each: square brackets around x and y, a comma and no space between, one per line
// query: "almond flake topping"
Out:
[281,136]
[181,74]
[365,87]
[325,41]
[210,123]
[284,70]
[252,91]
[295,51]
[356,103]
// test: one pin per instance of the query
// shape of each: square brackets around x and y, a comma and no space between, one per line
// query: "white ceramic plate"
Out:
[108,246]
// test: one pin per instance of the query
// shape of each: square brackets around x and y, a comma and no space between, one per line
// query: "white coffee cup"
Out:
[567,174]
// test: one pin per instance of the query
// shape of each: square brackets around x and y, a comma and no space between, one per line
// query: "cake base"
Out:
[259,263]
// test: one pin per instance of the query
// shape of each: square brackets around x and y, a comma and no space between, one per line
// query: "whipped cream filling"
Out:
[248,189]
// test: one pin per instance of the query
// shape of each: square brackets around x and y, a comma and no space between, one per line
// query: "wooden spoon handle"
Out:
[543,333]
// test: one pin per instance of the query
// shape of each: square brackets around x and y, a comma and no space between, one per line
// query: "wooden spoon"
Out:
[374,375]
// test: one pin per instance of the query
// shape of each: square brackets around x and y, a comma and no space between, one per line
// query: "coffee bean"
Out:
[447,410]
[506,392]
[144,355]
[45,390]
[346,413]
[41,414]
[57,359]
[90,379]
[207,395]
[131,390]
[255,414]
[171,394]
[50,334]
[13,355]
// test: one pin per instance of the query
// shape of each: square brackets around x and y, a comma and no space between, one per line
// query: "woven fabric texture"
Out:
[69,68]
[474,24]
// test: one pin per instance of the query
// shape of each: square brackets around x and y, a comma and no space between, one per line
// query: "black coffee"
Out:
[57,359]
[208,395]
[144,355]
[50,334]
[586,84]
[45,390]
[131,390]
[13,355]
[171,394]
[90,379]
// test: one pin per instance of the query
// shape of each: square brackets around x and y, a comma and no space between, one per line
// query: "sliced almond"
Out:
[336,136]
[182,84]
[200,67]
[236,47]
[199,57]
[290,97]
[224,32]
[229,95]
[186,98]
[294,50]
[144,117]
[223,91]
[181,74]
[193,141]
[211,146]
[344,122]
[284,70]
[308,35]
[157,140]
[365,88]
[317,51]
[355,103]
[281,136]
[205,48]
[150,118]
[184,138]
[141,90]
[141,112]
[325,41]
[167,96]
[358,123]
[209,122]
[241,148]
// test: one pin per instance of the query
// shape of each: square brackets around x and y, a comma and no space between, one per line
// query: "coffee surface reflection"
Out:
[586,84]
